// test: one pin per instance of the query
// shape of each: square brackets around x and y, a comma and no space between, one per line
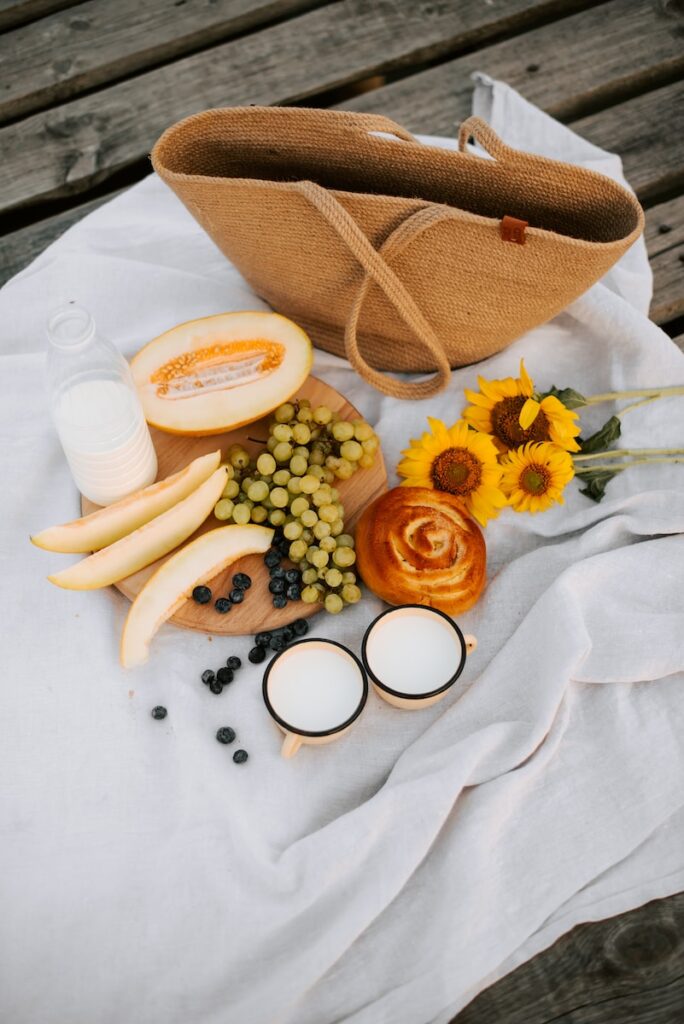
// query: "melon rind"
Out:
[214,412]
[145,545]
[109,524]
[173,582]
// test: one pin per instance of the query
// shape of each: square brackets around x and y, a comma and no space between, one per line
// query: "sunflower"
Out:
[509,411]
[457,460]
[534,476]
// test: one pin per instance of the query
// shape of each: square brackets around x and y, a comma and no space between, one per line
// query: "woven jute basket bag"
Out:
[398,255]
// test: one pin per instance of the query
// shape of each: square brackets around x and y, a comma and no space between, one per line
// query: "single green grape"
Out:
[282,432]
[304,414]
[247,501]
[294,485]
[298,506]
[259,514]
[366,461]
[328,475]
[279,497]
[363,431]
[302,450]
[309,595]
[351,451]
[257,491]
[322,415]
[310,484]
[345,540]
[282,451]
[231,490]
[333,603]
[307,536]
[333,577]
[246,483]
[319,558]
[281,477]
[317,471]
[371,445]
[271,442]
[316,457]
[340,510]
[327,544]
[328,513]
[309,575]
[297,550]
[298,465]
[349,577]
[276,517]
[309,518]
[230,470]
[266,464]
[351,593]
[304,403]
[241,514]
[292,530]
[284,412]
[223,509]
[342,431]
[345,470]
[334,494]
[303,564]
[321,573]
[332,462]
[301,433]
[238,457]
[343,557]
[320,529]
[321,496]
[336,528]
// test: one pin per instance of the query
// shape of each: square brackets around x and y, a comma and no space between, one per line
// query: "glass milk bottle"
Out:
[96,409]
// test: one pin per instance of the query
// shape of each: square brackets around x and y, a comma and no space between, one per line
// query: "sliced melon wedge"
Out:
[90,533]
[146,544]
[174,581]
[211,375]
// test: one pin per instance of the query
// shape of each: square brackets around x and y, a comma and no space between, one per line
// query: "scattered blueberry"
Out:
[288,634]
[293,576]
[202,595]
[262,639]
[278,643]
[215,686]
[272,558]
[159,712]
[207,676]
[257,655]
[277,586]
[234,663]
[293,592]
[242,581]
[300,626]
[223,605]
[277,572]
[240,756]
[236,596]
[225,734]
[279,601]
[225,676]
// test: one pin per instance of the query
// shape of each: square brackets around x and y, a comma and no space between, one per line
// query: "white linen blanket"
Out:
[391,876]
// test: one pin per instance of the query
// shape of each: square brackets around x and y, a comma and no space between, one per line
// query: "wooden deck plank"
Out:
[19,12]
[665,226]
[103,41]
[626,969]
[565,67]
[68,149]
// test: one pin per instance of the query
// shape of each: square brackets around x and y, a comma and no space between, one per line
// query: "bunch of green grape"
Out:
[290,486]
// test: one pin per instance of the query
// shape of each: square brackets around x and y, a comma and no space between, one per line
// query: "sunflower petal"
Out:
[528,413]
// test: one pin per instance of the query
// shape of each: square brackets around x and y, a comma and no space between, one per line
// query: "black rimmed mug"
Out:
[314,690]
[414,654]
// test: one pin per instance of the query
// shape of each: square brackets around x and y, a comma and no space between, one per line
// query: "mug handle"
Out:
[470,643]
[291,744]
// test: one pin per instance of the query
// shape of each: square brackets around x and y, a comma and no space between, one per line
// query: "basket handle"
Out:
[375,266]
[375,123]
[478,129]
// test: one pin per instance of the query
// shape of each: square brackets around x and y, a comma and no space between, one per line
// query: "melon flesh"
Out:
[173,582]
[97,530]
[215,374]
[146,544]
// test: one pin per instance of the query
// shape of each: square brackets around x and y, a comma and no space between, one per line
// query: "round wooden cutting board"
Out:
[256,611]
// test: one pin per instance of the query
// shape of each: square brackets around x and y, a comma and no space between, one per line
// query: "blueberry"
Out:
[159,712]
[300,626]
[234,663]
[225,676]
[237,596]
[277,573]
[262,639]
[242,581]
[288,634]
[223,605]
[202,595]
[279,601]
[257,655]
[225,734]
[278,643]
[240,756]
[215,686]
[208,676]
[293,576]
[272,558]
[277,586]
[293,592]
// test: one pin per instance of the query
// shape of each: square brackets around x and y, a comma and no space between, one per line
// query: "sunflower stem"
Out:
[616,468]
[636,405]
[613,396]
[619,453]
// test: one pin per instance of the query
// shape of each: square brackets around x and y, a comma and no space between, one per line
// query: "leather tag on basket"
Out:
[389,251]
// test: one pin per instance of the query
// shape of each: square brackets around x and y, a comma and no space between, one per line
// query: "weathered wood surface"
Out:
[570,67]
[626,970]
[72,147]
[101,41]
[19,12]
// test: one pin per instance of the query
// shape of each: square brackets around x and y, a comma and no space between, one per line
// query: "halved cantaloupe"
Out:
[212,375]
[146,544]
[90,533]
[173,582]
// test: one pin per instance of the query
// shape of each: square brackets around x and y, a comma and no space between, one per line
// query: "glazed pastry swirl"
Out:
[417,546]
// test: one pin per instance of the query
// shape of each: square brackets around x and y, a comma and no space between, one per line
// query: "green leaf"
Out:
[570,398]
[603,438]
[596,481]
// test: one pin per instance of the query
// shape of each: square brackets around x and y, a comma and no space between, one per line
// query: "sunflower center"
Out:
[535,479]
[457,471]
[506,423]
